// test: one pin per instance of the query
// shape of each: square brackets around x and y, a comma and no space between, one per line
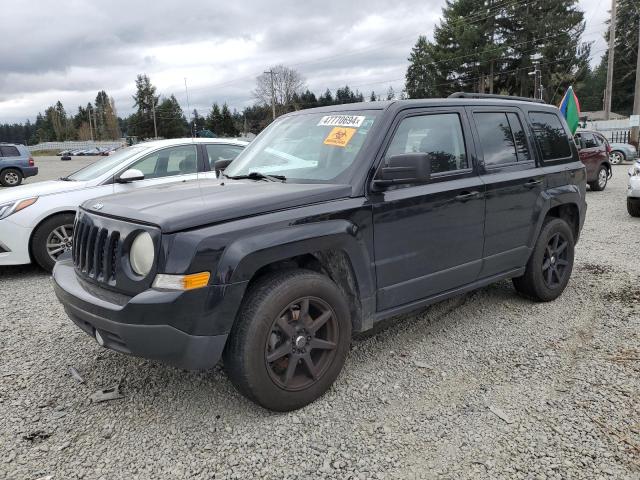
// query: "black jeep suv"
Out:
[330,221]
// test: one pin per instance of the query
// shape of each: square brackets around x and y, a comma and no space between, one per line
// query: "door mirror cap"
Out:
[405,168]
[131,175]
[220,165]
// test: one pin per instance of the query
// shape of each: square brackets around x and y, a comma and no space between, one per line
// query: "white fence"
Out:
[74,145]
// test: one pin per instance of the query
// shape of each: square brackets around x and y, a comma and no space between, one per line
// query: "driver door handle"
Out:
[464,196]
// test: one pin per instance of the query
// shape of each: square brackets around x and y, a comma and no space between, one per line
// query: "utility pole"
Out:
[90,130]
[191,127]
[635,131]
[153,111]
[273,94]
[537,79]
[612,44]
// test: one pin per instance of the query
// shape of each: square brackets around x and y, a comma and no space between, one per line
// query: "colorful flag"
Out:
[570,108]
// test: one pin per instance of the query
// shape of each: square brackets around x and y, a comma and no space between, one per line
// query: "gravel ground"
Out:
[486,385]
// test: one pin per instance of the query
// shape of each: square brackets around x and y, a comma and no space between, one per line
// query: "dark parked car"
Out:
[332,220]
[16,163]
[594,153]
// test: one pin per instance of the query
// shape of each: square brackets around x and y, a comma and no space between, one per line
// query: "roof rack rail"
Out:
[493,96]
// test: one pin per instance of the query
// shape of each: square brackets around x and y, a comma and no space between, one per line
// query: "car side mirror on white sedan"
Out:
[130,175]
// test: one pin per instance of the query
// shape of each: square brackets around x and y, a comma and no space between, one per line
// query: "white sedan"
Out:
[36,220]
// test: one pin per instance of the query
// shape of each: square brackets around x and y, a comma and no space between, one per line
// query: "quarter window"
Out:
[588,139]
[438,135]
[9,151]
[550,135]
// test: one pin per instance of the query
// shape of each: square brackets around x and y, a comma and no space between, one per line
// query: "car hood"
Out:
[38,189]
[179,206]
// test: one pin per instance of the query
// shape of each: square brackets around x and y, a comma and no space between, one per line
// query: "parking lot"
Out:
[487,385]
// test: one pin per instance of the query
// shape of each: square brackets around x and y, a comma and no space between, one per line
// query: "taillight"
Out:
[31,162]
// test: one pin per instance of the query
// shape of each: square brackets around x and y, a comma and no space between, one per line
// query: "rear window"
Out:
[502,138]
[9,151]
[550,135]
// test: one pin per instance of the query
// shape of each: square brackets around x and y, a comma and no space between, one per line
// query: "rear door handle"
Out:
[464,196]
[532,183]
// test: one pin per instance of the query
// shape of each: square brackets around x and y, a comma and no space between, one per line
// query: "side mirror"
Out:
[130,175]
[405,168]
[220,165]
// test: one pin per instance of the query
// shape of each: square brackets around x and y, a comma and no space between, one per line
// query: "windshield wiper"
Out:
[66,179]
[259,176]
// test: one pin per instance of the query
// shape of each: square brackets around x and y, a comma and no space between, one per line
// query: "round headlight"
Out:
[142,254]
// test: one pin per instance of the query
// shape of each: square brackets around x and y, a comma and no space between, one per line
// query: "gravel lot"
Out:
[486,385]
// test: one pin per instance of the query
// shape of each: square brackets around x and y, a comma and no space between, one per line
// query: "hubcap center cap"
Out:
[301,341]
[553,260]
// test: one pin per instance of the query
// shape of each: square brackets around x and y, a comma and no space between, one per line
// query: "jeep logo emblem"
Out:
[98,206]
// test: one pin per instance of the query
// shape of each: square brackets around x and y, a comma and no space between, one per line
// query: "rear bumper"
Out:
[123,322]
[29,171]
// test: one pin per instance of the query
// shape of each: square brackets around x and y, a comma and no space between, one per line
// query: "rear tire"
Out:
[633,207]
[616,157]
[51,239]
[281,357]
[600,183]
[549,267]
[11,177]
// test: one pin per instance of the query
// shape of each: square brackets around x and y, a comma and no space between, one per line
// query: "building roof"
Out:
[599,115]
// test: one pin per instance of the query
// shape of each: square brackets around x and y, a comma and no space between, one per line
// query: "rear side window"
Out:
[550,135]
[9,151]
[502,138]
[590,140]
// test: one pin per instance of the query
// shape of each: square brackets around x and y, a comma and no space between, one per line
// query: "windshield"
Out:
[316,147]
[103,166]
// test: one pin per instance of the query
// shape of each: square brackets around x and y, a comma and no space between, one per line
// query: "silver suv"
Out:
[16,163]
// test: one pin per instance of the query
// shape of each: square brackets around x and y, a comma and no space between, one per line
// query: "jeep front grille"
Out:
[96,251]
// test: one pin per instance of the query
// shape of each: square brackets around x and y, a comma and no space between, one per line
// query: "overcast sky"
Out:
[68,50]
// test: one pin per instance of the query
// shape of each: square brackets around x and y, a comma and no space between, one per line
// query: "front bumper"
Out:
[144,325]
[14,243]
[29,171]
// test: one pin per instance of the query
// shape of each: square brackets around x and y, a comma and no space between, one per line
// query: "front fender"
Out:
[246,255]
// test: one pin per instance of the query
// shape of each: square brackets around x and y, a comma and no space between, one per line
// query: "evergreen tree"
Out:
[227,126]
[170,118]
[420,79]
[141,122]
[325,99]
[625,56]
[486,46]
[214,120]
[590,91]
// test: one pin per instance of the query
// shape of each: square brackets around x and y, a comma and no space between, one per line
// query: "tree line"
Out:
[486,46]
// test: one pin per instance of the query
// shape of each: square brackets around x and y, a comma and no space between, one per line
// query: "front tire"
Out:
[600,183]
[290,340]
[549,267]
[633,207]
[11,177]
[51,239]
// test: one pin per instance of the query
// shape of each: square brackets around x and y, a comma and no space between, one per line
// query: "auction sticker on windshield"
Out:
[341,121]
[339,137]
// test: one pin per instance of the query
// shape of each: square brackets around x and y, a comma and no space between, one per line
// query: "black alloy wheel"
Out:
[555,261]
[302,343]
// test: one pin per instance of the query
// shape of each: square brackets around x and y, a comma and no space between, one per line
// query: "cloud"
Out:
[69,50]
